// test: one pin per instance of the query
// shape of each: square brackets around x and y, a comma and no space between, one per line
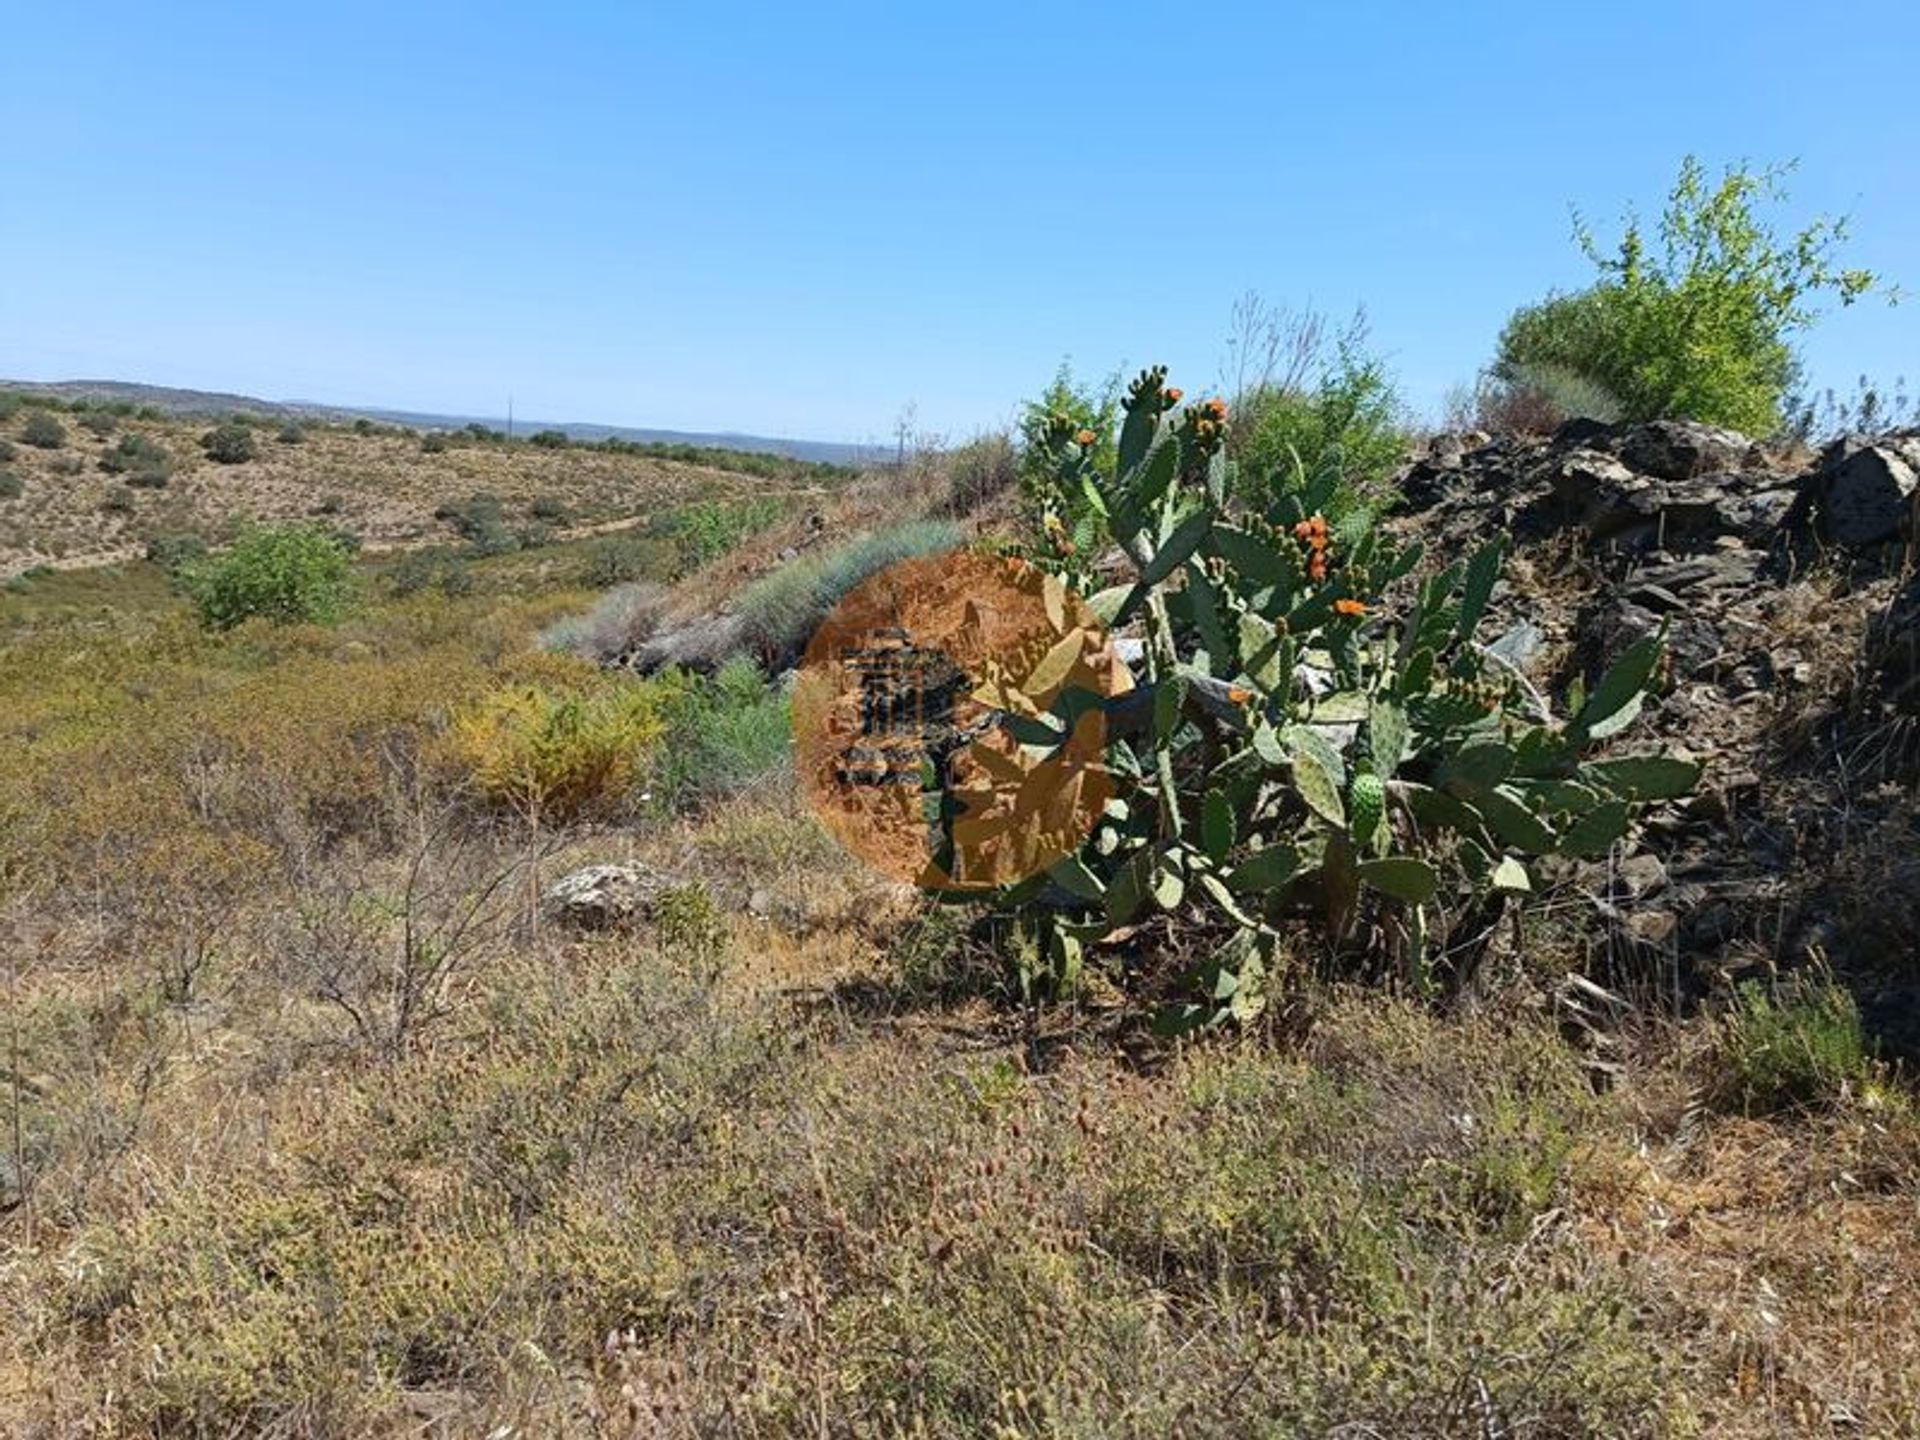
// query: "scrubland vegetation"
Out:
[1293,1104]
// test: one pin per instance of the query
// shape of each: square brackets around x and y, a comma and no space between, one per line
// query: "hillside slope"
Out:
[384,486]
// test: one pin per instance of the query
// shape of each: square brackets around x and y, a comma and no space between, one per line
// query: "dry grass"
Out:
[758,1166]
[382,487]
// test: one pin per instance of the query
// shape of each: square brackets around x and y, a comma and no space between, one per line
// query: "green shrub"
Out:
[433,443]
[429,569]
[8,451]
[176,553]
[117,501]
[779,611]
[1696,321]
[364,426]
[481,519]
[1797,1047]
[1351,419]
[98,423]
[292,433]
[703,532]
[10,486]
[145,462]
[230,443]
[1307,397]
[290,573]
[611,560]
[724,733]
[43,432]
[550,509]
[549,439]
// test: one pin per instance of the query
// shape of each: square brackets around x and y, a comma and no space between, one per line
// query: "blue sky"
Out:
[800,219]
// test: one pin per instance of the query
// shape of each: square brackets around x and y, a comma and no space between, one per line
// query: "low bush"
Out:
[8,451]
[118,501]
[552,755]
[980,470]
[704,532]
[1536,399]
[1351,419]
[433,443]
[550,509]
[481,520]
[10,486]
[230,443]
[175,553]
[623,559]
[144,461]
[1796,1046]
[1307,397]
[549,439]
[430,569]
[291,433]
[1696,320]
[284,574]
[43,432]
[618,621]
[779,611]
[98,423]
[725,733]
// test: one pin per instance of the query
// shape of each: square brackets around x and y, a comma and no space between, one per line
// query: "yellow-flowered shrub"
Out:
[555,754]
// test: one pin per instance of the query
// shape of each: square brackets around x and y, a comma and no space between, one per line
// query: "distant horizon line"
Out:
[212,400]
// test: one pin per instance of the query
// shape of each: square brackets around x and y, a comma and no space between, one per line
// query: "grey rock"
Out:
[1639,876]
[1865,493]
[1520,646]
[1683,449]
[1584,432]
[597,896]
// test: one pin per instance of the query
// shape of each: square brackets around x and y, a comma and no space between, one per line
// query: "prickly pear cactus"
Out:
[1297,749]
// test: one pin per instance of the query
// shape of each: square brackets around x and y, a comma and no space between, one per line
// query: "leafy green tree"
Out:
[1696,320]
[290,573]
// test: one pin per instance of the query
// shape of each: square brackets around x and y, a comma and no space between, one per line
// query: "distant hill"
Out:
[174,401]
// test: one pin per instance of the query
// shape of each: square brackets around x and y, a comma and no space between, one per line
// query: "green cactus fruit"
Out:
[1366,806]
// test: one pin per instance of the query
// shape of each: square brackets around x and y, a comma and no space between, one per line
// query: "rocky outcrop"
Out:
[1775,666]
[1866,492]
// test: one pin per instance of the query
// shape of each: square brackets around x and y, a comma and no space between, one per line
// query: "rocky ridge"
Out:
[1785,581]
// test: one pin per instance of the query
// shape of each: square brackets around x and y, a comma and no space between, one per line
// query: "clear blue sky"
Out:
[797,219]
